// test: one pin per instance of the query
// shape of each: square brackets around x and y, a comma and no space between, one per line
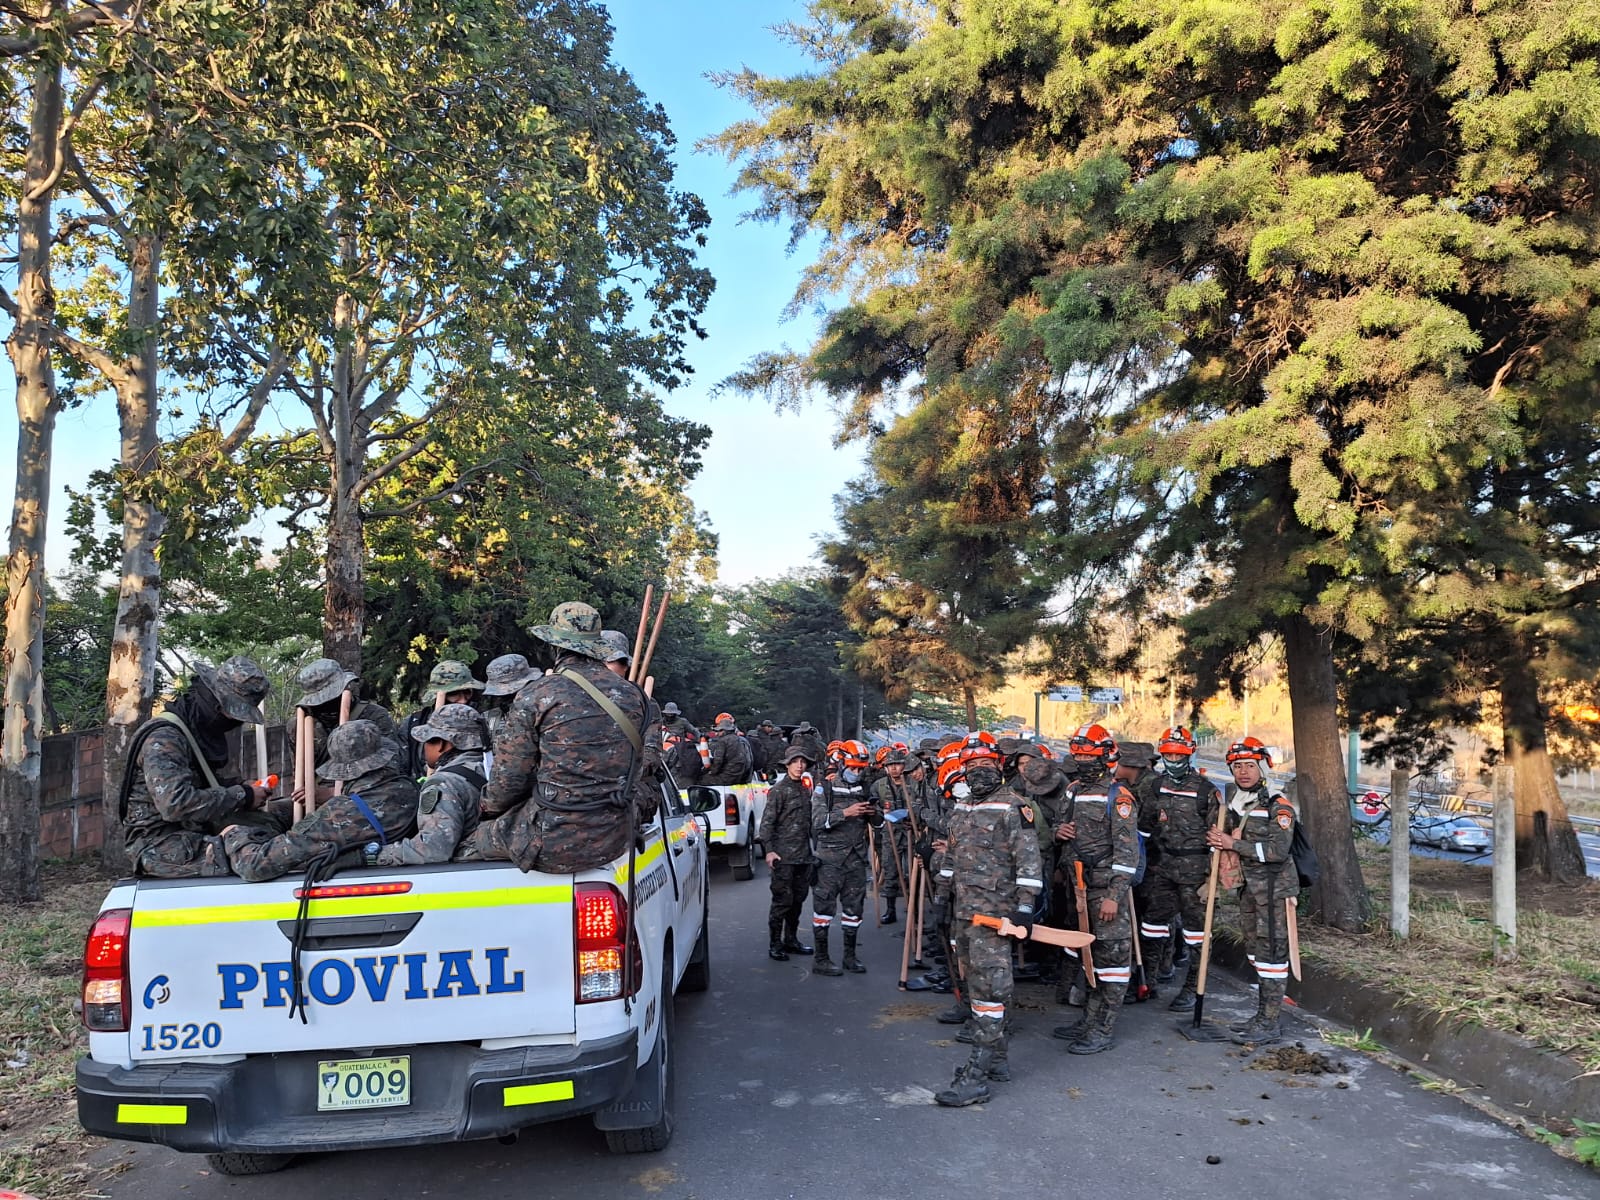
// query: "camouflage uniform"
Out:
[322,684]
[766,750]
[448,805]
[1108,847]
[447,676]
[367,763]
[730,757]
[504,678]
[1263,821]
[1186,806]
[170,814]
[1154,936]
[805,737]
[675,724]
[841,848]
[559,792]
[786,832]
[894,836]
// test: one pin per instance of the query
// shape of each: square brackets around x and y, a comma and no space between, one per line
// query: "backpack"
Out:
[1304,855]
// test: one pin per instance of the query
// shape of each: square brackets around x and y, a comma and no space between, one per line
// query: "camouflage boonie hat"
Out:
[574,626]
[617,648]
[896,755]
[930,745]
[321,681]
[239,686]
[355,748]
[459,724]
[506,675]
[672,709]
[448,676]
[1136,754]
[1027,746]
[795,752]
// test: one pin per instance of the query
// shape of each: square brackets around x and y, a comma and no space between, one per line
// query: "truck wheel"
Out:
[248,1164]
[697,975]
[655,1137]
[744,862]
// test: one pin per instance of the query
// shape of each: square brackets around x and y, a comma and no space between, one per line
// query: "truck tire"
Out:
[248,1164]
[655,1137]
[697,975]
[743,859]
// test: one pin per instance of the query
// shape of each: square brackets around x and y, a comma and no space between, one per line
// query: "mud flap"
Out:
[640,1106]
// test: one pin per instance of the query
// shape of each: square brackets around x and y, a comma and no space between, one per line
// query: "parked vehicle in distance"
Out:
[1450,831]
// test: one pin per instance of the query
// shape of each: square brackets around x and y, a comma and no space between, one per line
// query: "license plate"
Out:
[364,1083]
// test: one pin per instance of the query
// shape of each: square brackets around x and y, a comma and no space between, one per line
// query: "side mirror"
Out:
[704,800]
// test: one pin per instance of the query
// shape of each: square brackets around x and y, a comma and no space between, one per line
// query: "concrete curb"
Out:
[1512,1073]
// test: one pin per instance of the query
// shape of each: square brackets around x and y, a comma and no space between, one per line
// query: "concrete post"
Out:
[1352,757]
[1505,866]
[1399,853]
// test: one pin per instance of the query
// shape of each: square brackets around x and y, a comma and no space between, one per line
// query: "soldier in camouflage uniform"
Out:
[647,788]
[450,682]
[807,738]
[1186,806]
[1260,829]
[730,754]
[675,724]
[992,868]
[1103,835]
[506,676]
[561,794]
[841,814]
[766,749]
[322,683]
[786,835]
[447,806]
[1133,770]
[175,800]
[893,793]
[379,804]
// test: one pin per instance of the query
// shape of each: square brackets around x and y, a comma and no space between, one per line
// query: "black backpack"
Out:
[1305,856]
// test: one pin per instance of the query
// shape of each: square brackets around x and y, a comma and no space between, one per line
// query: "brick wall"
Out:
[72,784]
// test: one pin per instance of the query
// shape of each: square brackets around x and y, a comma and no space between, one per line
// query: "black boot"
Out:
[999,1063]
[791,942]
[1099,1037]
[888,917]
[823,964]
[775,942]
[958,1013]
[1264,1030]
[971,1084]
[1079,1028]
[851,963]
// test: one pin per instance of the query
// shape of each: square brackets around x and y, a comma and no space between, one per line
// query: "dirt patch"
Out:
[898,1014]
[1297,1060]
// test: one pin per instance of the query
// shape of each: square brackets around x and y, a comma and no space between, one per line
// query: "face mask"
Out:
[984,780]
[960,791]
[850,775]
[1177,765]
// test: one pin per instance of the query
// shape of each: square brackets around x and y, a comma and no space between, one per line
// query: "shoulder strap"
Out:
[372,817]
[194,747]
[473,777]
[612,711]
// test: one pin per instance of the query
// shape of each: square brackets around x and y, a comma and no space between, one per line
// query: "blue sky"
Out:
[769,479]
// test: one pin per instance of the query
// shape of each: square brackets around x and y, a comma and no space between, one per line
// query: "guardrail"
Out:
[1452,802]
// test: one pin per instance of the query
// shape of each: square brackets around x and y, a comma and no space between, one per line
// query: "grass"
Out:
[1550,995]
[1352,1041]
[42,1150]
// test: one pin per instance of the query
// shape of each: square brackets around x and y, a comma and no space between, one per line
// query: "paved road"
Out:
[1589,843]
[794,1087]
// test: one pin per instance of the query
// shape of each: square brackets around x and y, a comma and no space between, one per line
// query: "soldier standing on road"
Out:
[506,676]
[451,679]
[379,804]
[1104,836]
[564,772]
[174,802]
[786,834]
[1260,829]
[992,868]
[447,807]
[895,797]
[1186,806]
[1133,771]
[841,814]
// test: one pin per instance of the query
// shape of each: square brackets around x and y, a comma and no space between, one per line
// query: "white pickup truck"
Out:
[442,1003]
[733,814]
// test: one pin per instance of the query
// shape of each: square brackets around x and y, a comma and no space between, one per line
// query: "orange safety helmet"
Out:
[1176,740]
[855,754]
[1092,741]
[951,771]
[1249,749]
[979,748]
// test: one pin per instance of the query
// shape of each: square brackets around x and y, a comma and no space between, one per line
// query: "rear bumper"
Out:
[266,1104]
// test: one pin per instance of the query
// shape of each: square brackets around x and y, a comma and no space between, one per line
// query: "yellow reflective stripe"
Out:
[152,1114]
[352,906]
[538,1093]
[719,835]
[641,861]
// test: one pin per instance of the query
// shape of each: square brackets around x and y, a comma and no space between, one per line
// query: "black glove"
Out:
[1023,919]
[941,913]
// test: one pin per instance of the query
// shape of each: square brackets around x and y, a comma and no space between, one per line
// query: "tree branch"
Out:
[259,395]
[455,489]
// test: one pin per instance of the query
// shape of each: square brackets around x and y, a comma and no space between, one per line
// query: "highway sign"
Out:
[1105,695]
[1072,695]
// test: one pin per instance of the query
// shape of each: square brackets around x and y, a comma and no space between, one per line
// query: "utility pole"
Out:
[1400,852]
[1352,771]
[1504,883]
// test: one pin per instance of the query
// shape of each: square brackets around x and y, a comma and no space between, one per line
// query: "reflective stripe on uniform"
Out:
[1033,883]
[1261,852]
[819,921]
[988,1010]
[1114,974]
[1126,870]
[1272,970]
[1194,936]
[850,922]
[1153,931]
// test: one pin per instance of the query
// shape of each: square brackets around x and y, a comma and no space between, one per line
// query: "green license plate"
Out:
[364,1083]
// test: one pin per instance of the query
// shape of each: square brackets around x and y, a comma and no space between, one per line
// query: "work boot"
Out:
[958,1013]
[851,963]
[1071,977]
[1261,1008]
[775,942]
[1098,1037]
[888,918]
[1080,1028]
[822,964]
[1167,967]
[971,1084]
[999,1064]
[791,940]
[1184,1000]
[1264,1029]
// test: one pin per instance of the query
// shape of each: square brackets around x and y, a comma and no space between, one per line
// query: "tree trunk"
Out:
[130,684]
[1546,841]
[344,607]
[1340,897]
[29,347]
[971,699]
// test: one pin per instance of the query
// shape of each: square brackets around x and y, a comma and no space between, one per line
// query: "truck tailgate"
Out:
[211,962]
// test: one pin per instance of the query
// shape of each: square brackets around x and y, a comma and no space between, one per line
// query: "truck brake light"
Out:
[105,972]
[600,927]
[332,891]
[730,811]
